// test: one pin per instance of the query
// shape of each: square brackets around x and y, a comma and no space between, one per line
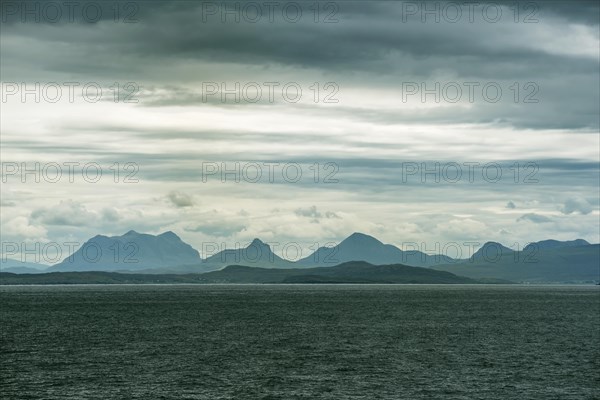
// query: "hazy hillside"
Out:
[361,247]
[20,267]
[544,261]
[353,272]
[578,264]
[131,251]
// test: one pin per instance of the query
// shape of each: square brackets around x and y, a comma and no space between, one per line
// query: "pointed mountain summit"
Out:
[257,253]
[258,243]
[362,247]
[168,234]
[362,239]
[491,251]
[132,251]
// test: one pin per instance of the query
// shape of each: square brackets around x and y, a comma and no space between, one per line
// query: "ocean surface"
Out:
[300,342]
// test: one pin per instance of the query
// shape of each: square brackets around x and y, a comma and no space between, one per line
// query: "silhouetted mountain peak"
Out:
[361,238]
[98,237]
[169,235]
[363,247]
[491,250]
[259,243]
[131,251]
[493,244]
[257,253]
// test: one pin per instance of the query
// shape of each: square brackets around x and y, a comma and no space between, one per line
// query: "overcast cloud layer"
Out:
[515,92]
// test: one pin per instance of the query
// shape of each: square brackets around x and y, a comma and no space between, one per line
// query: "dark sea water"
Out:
[300,342]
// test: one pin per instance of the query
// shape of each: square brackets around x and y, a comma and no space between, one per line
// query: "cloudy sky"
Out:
[414,122]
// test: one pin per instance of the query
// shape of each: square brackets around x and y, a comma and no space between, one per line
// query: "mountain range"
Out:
[21,267]
[167,253]
[535,264]
[361,247]
[544,261]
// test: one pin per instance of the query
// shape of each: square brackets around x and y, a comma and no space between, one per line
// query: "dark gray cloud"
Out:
[170,50]
[376,41]
[372,45]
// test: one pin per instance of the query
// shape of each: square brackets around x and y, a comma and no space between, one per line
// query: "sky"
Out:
[301,122]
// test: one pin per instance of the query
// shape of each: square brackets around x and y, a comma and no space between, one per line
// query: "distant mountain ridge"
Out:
[21,267]
[166,253]
[535,264]
[361,247]
[555,244]
[352,272]
[491,250]
[256,253]
[131,251]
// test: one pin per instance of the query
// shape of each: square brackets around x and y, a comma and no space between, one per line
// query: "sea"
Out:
[299,342]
